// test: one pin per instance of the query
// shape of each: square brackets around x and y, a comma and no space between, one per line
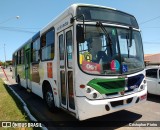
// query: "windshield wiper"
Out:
[128,46]
[129,40]
[130,36]
[99,24]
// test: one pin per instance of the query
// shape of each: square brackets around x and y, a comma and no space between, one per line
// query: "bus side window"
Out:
[19,57]
[16,55]
[22,56]
[35,50]
[47,45]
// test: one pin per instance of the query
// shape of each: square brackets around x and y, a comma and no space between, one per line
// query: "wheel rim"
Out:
[49,98]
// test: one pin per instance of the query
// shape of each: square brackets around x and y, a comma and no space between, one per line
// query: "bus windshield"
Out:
[101,55]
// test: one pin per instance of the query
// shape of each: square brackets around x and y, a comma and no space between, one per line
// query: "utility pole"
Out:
[3,22]
[4,57]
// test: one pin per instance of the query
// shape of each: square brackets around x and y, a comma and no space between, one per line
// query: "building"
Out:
[152,59]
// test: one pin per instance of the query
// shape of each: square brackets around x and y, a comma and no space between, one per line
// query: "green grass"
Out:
[11,109]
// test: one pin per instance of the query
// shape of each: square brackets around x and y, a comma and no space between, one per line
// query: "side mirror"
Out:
[80,34]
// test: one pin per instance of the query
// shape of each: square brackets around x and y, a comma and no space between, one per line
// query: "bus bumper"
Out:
[94,108]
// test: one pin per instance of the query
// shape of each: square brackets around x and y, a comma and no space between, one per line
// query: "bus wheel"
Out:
[18,80]
[49,100]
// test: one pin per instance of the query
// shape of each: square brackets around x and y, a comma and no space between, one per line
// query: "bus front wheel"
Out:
[49,100]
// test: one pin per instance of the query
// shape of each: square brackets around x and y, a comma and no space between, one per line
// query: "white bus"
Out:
[153,79]
[88,61]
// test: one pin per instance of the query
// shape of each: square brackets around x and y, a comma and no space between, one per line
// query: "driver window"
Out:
[95,47]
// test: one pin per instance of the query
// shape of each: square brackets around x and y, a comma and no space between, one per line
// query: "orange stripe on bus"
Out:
[49,70]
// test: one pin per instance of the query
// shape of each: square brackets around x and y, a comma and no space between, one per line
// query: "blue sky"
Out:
[35,14]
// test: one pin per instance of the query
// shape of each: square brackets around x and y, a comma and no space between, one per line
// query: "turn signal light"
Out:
[82,86]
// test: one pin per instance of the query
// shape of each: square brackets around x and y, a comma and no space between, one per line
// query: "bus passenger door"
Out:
[27,68]
[66,69]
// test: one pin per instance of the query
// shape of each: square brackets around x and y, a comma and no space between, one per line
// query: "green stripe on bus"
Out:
[106,86]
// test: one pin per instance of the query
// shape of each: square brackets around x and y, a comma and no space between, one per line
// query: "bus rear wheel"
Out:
[49,100]
[18,80]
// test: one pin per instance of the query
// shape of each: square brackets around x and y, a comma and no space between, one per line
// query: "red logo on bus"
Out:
[89,66]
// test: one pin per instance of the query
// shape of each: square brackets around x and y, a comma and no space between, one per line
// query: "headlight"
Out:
[95,95]
[88,90]
[143,85]
[91,93]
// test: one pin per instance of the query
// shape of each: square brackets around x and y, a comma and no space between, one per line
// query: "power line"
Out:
[17,17]
[149,20]
[17,29]
[151,27]
[151,42]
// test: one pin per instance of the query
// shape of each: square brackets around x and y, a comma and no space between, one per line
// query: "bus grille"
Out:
[132,85]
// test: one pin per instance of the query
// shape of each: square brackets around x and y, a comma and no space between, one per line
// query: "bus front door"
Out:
[66,78]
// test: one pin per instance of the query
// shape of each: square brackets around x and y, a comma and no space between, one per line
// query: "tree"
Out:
[1,63]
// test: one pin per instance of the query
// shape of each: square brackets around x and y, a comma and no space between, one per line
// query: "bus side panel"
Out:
[37,74]
[21,73]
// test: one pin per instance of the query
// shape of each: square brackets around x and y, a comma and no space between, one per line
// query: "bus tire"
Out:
[18,80]
[49,99]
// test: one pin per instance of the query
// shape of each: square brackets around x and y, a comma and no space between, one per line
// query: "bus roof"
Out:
[72,10]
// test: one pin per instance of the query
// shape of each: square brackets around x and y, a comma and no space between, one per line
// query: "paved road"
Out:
[148,111]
